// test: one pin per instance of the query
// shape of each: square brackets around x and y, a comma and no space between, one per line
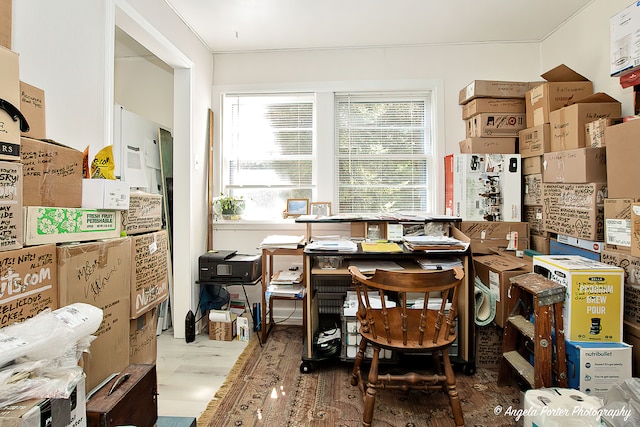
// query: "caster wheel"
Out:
[469,369]
[305,368]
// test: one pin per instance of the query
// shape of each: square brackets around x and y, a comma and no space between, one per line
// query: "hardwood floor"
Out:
[190,374]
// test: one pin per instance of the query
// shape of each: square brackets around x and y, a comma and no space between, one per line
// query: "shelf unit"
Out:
[266,309]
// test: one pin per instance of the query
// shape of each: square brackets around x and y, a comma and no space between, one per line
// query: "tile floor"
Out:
[190,374]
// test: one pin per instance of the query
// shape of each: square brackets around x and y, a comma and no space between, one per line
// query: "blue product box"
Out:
[593,367]
[558,248]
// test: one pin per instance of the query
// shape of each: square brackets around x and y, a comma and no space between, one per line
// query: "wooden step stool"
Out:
[532,293]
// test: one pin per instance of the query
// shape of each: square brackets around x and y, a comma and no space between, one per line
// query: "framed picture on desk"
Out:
[321,208]
[297,207]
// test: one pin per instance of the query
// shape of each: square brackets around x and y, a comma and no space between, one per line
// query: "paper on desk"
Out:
[370,266]
[332,245]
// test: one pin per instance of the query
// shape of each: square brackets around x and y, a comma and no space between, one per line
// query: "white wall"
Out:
[454,65]
[66,48]
[145,88]
[583,44]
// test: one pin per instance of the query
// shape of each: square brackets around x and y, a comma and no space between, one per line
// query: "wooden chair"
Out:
[405,329]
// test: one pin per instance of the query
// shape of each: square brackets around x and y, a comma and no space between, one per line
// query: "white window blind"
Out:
[384,152]
[268,149]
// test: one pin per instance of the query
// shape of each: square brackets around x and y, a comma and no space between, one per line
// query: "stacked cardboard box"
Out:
[561,86]
[621,215]
[58,247]
[481,181]
[565,172]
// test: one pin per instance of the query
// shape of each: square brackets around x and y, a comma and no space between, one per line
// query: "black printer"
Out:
[226,266]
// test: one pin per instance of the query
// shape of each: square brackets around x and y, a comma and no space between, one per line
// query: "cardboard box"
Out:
[492,105]
[535,141]
[98,273]
[635,229]
[541,244]
[105,194]
[49,412]
[52,174]
[30,283]
[532,189]
[532,165]
[223,331]
[589,245]
[575,209]
[492,89]
[617,223]
[10,92]
[495,125]
[487,237]
[44,225]
[593,301]
[488,346]
[5,23]
[632,337]
[594,131]
[578,166]
[32,106]
[143,342]
[568,123]
[487,187]
[624,39]
[631,267]
[149,271]
[144,213]
[594,368]
[560,248]
[623,153]
[534,216]
[11,225]
[488,145]
[495,271]
[563,87]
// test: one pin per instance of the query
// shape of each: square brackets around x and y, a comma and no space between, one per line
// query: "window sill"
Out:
[259,224]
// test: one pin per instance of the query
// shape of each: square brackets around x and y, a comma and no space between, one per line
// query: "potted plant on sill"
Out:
[229,207]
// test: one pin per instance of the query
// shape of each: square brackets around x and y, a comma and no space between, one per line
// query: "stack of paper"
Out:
[277,241]
[286,277]
[332,245]
[297,291]
[381,247]
[439,263]
[439,243]
[369,266]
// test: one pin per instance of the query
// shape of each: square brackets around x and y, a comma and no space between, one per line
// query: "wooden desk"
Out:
[315,278]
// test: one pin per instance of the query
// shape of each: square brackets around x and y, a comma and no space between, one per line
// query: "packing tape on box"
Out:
[485,303]
[561,407]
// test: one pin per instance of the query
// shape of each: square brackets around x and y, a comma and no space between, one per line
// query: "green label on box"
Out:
[70,220]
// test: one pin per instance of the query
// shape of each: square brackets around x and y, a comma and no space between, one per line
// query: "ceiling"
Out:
[255,25]
[258,25]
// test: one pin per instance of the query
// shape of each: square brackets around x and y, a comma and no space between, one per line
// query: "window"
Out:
[383,152]
[362,149]
[268,145]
